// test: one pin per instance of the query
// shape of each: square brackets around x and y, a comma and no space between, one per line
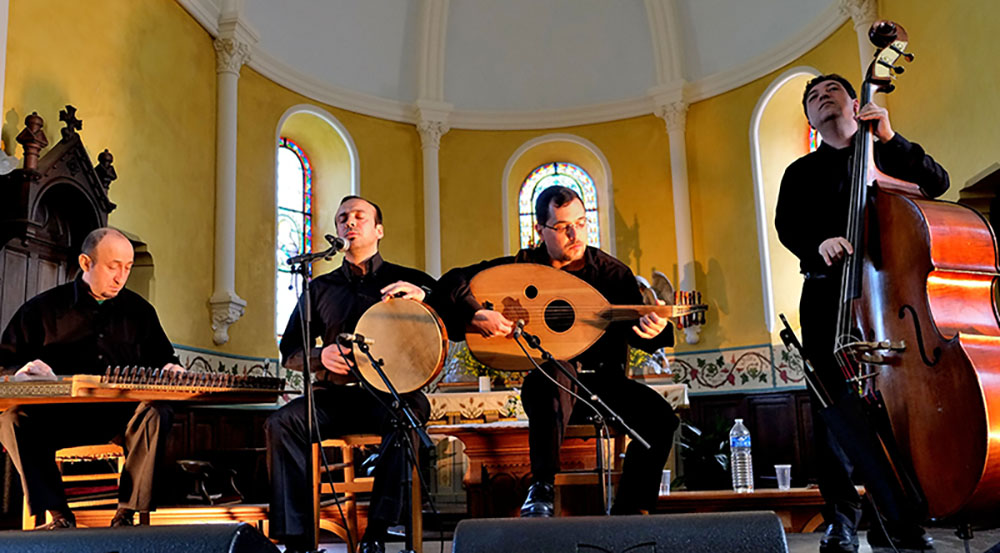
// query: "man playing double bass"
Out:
[339,299]
[811,220]
[562,224]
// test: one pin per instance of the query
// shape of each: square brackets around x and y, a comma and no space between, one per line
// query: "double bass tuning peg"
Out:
[906,55]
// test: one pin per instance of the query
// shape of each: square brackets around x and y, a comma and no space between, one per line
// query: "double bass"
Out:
[919,324]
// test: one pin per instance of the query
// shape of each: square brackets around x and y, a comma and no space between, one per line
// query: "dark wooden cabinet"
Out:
[780,425]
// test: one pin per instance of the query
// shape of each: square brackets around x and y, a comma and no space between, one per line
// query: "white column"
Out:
[863,13]
[232,49]
[674,114]
[7,162]
[432,120]
[432,124]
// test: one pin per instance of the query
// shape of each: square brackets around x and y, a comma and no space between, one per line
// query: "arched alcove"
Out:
[779,134]
[557,148]
[322,141]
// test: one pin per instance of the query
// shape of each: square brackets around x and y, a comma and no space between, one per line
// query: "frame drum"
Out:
[409,337]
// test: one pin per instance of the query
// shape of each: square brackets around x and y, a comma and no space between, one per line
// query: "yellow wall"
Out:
[948,99]
[472,165]
[783,137]
[144,82]
[142,75]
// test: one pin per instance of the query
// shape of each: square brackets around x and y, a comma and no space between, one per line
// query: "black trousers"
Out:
[818,315]
[550,409]
[340,410]
[32,434]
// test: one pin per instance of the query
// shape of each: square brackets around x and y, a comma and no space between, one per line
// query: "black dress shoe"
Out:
[912,538]
[123,519]
[371,547]
[839,538]
[540,500]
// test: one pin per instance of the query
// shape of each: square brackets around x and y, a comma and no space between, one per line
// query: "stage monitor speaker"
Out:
[747,532]
[188,538]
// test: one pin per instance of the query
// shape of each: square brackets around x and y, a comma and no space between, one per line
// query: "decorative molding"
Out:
[431,133]
[761,368]
[674,115]
[763,221]
[207,361]
[433,31]
[296,81]
[205,12]
[281,73]
[862,12]
[230,55]
[224,314]
[662,17]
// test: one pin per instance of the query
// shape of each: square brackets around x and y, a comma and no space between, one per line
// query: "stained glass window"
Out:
[814,139]
[294,225]
[562,174]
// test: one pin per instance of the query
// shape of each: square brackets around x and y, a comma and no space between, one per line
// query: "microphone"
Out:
[347,338]
[519,328]
[339,244]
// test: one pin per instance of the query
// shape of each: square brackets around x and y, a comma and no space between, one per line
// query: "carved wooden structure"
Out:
[46,210]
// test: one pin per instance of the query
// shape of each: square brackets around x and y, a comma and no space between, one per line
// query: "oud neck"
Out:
[633,312]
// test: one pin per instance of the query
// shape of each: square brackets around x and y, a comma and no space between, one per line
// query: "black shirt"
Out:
[815,193]
[612,278]
[74,334]
[340,297]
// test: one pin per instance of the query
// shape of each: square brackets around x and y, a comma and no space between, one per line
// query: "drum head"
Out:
[409,338]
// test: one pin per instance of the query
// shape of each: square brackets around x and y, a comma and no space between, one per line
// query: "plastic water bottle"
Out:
[740,461]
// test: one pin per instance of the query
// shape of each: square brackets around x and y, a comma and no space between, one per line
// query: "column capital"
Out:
[862,12]
[674,114]
[432,122]
[230,55]
[227,308]
[234,44]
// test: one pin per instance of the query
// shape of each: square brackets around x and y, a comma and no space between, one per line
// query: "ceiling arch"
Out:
[521,63]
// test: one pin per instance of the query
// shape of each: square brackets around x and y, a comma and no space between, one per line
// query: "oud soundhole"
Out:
[559,316]
[531,292]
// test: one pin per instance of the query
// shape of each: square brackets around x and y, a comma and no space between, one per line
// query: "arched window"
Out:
[294,225]
[562,174]
[814,138]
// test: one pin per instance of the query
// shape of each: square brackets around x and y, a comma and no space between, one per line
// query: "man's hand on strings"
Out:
[401,289]
[333,360]
[491,323]
[834,249]
[34,370]
[173,368]
[879,116]
[651,324]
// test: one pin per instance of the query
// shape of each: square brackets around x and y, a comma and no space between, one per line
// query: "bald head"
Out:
[106,261]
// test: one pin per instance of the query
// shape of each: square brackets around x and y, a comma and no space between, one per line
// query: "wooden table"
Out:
[798,508]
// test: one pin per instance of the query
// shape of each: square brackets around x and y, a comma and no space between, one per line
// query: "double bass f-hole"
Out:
[920,337]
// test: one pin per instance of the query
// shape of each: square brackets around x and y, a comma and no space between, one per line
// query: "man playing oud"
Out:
[562,224]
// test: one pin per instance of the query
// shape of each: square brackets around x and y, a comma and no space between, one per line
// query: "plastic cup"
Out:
[665,483]
[784,476]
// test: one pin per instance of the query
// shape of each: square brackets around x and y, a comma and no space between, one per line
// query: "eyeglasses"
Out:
[563,227]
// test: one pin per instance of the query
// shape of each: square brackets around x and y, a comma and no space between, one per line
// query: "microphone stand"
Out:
[302,266]
[536,343]
[406,424]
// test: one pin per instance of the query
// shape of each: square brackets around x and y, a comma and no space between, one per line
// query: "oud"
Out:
[566,313]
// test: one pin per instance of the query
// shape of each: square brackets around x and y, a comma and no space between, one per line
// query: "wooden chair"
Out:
[352,525]
[578,487]
[87,453]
